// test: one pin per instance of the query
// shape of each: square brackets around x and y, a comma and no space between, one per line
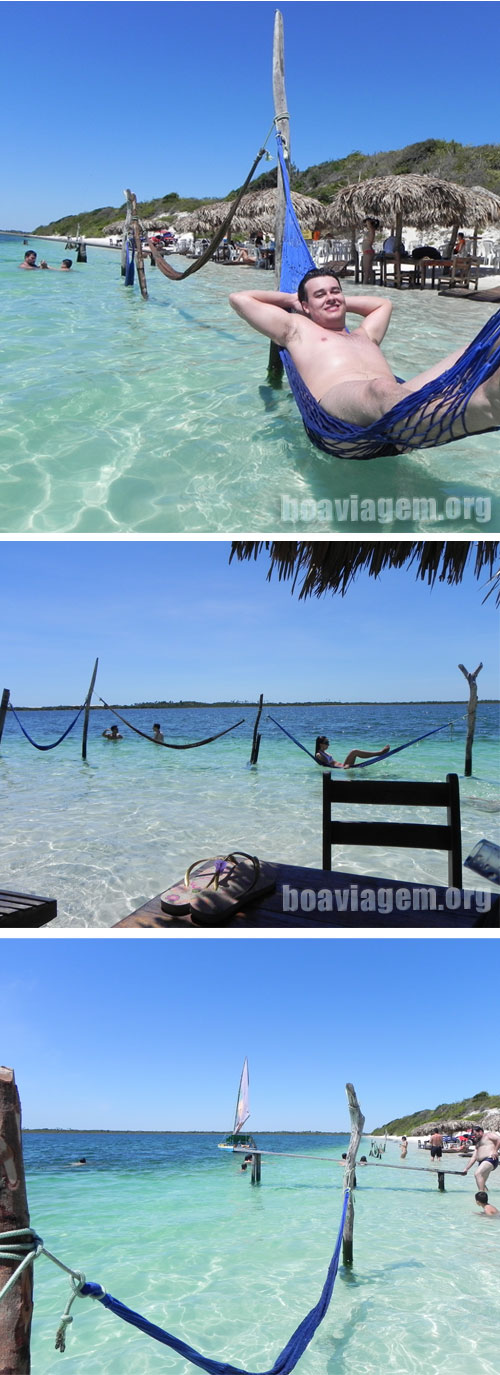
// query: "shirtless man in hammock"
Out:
[346,372]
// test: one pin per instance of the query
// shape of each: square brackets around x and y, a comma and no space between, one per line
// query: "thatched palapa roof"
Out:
[256,211]
[331,566]
[421,201]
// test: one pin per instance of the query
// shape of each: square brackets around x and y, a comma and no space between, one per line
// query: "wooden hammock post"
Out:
[138,246]
[126,230]
[471,715]
[441,1181]
[256,1170]
[16,1308]
[282,125]
[88,703]
[3,708]
[256,737]
[357,1124]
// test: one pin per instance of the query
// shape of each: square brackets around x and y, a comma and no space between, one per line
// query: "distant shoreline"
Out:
[194,706]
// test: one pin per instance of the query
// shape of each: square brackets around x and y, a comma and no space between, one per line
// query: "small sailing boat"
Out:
[238,1139]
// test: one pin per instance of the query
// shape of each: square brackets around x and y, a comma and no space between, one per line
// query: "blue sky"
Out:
[171,620]
[387,1015]
[360,76]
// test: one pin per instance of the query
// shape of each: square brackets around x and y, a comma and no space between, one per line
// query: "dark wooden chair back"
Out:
[413,835]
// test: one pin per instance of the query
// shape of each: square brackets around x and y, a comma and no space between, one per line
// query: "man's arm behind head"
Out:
[266,311]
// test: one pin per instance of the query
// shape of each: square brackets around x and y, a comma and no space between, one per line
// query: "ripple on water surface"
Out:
[121,415]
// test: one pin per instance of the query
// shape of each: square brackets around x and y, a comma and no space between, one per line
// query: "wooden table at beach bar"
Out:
[316,899]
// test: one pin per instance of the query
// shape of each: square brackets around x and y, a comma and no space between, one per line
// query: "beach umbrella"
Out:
[331,566]
[418,200]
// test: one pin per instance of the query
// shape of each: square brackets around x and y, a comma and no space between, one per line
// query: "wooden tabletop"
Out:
[315,899]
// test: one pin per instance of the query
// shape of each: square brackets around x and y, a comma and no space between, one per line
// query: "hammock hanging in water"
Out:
[365,763]
[195,746]
[425,419]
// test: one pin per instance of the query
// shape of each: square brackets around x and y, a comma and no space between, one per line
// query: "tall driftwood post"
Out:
[88,703]
[256,737]
[3,708]
[471,715]
[125,234]
[275,366]
[357,1124]
[131,198]
[16,1307]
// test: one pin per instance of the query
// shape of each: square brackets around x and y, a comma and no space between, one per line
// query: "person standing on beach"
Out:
[486,1147]
[404,1148]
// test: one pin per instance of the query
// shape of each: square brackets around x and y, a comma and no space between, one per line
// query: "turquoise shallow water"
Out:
[120,415]
[170,1225]
[104,836]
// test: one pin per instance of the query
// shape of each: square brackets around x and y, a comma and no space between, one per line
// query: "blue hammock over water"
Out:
[425,419]
[365,763]
[287,1358]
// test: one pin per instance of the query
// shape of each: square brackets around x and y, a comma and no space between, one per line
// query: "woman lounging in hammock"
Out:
[351,403]
[321,757]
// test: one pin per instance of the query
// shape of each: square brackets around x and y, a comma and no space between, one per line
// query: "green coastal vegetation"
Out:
[411,1125]
[466,164]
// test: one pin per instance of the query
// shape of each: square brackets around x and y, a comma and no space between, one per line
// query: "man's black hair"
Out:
[481,1197]
[30,253]
[315,272]
[68,262]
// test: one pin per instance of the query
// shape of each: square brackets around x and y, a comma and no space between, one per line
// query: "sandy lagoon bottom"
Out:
[120,415]
[105,836]
[169,1225]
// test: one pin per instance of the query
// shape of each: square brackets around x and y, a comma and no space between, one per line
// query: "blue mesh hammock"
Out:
[415,422]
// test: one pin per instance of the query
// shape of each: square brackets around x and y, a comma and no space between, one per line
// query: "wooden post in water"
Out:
[88,703]
[16,1307]
[256,1168]
[3,708]
[125,234]
[471,715]
[256,737]
[357,1124]
[282,125]
[441,1181]
[131,198]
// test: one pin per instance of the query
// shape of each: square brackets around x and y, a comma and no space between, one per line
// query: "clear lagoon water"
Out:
[121,416]
[170,1225]
[104,836]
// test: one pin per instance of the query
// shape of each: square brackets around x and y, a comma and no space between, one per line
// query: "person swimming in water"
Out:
[321,756]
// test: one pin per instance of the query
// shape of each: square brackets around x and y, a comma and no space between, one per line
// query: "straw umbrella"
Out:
[421,201]
[257,210]
[331,566]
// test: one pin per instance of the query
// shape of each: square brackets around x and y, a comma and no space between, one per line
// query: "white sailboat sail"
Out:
[242,1102]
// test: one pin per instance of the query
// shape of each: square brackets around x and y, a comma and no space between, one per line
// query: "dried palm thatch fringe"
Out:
[419,200]
[331,566]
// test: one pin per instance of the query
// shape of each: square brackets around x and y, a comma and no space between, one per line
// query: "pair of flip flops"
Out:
[213,890]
